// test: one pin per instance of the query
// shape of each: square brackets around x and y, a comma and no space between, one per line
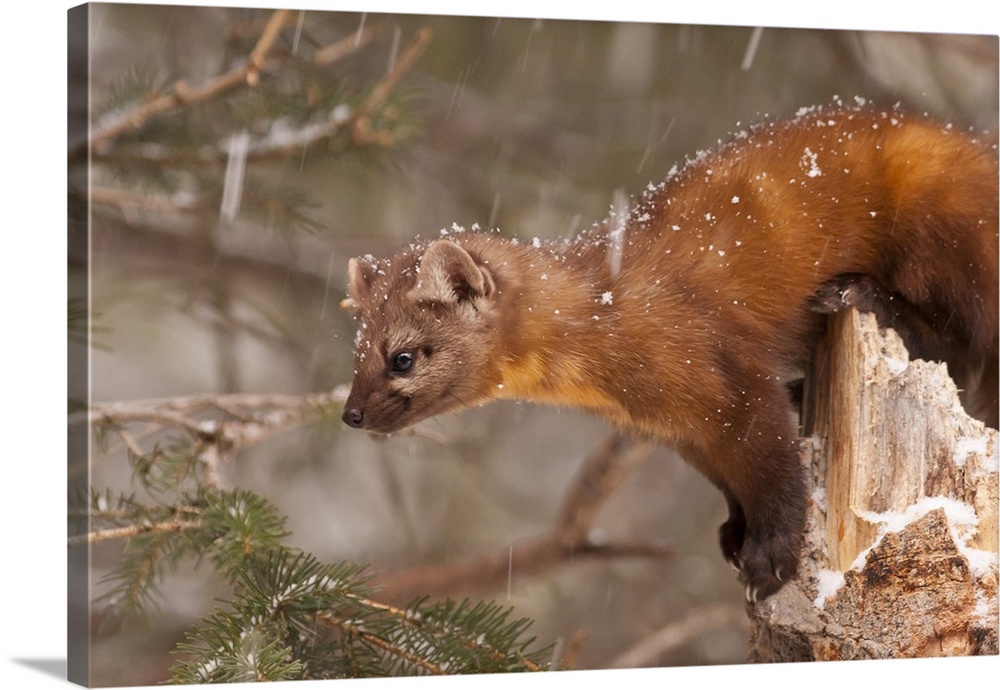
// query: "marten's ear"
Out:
[359,282]
[449,274]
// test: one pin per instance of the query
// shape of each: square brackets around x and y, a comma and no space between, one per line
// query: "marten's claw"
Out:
[848,290]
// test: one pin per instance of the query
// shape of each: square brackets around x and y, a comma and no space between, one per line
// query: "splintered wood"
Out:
[901,551]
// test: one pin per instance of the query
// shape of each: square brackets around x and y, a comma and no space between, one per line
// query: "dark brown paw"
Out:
[847,290]
[767,563]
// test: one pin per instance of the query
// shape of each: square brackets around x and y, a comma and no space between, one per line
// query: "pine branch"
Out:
[229,527]
[412,615]
[136,579]
[240,525]
[280,595]
[281,140]
[239,653]
[399,652]
[123,517]
[291,616]
[181,95]
[169,469]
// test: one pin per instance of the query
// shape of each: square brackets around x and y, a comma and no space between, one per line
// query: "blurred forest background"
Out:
[220,230]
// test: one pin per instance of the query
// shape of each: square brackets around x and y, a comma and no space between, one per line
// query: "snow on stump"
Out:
[901,547]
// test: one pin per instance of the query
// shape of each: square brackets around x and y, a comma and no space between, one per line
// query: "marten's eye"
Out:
[401,362]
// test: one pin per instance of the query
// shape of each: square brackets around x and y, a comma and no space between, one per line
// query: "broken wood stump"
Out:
[901,546]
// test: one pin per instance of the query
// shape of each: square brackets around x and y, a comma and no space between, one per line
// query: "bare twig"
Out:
[361,118]
[130,442]
[267,38]
[569,653]
[221,423]
[648,651]
[344,47]
[126,199]
[181,410]
[600,477]
[217,425]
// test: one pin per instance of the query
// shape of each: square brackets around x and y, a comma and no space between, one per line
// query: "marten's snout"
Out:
[354,417]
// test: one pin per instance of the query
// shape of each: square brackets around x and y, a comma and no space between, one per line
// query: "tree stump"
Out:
[901,546]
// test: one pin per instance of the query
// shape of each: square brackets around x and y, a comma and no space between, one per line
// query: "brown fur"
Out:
[686,318]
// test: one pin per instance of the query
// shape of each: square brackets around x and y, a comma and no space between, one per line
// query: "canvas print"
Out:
[417,345]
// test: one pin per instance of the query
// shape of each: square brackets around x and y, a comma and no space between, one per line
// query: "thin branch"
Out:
[246,418]
[490,572]
[601,475]
[126,199]
[648,651]
[267,39]
[408,617]
[330,54]
[568,655]
[363,133]
[130,442]
[132,531]
[162,418]
[384,645]
[180,410]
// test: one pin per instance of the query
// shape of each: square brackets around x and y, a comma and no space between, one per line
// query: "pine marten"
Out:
[684,317]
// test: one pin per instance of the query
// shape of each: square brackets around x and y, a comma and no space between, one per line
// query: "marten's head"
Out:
[426,327]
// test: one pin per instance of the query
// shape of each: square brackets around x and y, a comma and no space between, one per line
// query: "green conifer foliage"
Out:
[290,615]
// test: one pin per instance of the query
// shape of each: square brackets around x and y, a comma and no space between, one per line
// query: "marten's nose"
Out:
[353,416]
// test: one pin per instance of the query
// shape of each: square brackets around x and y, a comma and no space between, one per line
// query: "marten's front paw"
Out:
[766,563]
[842,291]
